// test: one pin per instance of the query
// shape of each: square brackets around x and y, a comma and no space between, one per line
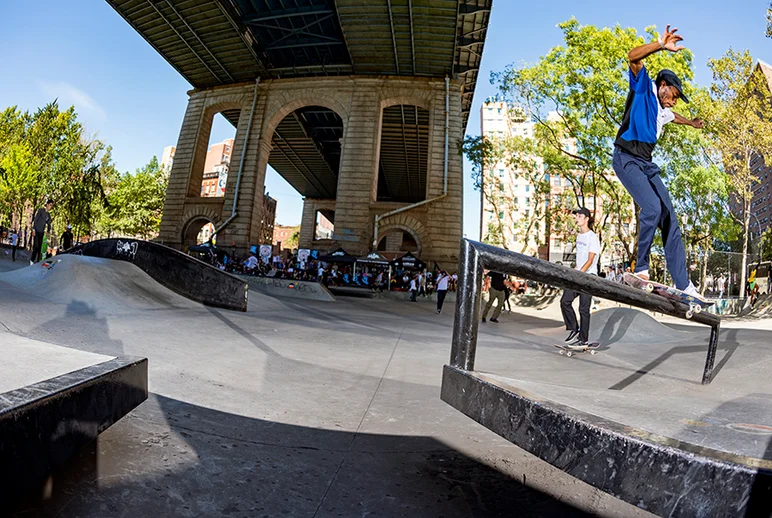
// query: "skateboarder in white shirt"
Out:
[587,253]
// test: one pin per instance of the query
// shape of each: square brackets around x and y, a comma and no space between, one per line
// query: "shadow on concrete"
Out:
[728,344]
[215,463]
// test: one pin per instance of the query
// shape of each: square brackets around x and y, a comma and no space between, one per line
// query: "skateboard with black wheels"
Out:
[570,350]
[695,304]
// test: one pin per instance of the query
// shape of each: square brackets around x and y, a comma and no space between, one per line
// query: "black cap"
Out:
[670,78]
[49,201]
[582,210]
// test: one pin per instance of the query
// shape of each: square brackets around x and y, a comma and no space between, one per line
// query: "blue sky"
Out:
[84,53]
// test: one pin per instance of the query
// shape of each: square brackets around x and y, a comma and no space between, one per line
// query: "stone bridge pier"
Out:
[355,147]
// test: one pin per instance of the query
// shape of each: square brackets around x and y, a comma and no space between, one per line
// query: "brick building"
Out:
[761,204]
[216,166]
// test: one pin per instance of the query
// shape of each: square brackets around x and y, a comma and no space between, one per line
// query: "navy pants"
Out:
[642,180]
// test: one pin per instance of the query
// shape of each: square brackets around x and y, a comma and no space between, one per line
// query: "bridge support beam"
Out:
[359,101]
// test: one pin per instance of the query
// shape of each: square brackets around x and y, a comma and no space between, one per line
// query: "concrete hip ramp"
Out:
[175,270]
[111,286]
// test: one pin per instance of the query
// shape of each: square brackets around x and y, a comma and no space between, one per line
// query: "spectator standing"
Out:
[14,244]
[442,289]
[66,240]
[41,223]
[721,286]
[495,292]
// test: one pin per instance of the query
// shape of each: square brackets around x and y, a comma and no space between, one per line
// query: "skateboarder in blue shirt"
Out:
[647,110]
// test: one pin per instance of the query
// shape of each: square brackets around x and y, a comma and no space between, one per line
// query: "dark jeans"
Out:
[413,294]
[569,317]
[642,180]
[13,252]
[37,244]
[441,298]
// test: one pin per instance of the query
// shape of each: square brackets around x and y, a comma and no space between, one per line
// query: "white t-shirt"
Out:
[412,285]
[585,244]
[14,239]
[442,284]
[664,115]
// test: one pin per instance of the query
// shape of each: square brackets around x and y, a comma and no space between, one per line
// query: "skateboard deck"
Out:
[570,350]
[668,292]
[50,263]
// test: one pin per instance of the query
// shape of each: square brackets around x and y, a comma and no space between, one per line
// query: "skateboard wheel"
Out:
[689,314]
[569,354]
[697,308]
[649,288]
[593,352]
[562,352]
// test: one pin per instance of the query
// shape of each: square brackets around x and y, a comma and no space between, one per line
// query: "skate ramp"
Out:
[108,285]
[630,326]
[179,272]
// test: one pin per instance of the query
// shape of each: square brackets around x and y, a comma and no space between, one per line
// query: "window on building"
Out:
[501,214]
[527,188]
[501,173]
[516,200]
[528,201]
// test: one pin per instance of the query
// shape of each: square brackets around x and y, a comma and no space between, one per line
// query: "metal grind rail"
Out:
[476,257]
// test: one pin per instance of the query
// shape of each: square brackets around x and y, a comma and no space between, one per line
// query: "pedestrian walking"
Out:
[443,279]
[587,253]
[413,289]
[41,223]
[647,110]
[495,293]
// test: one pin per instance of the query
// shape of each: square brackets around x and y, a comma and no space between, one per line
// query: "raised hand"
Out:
[698,123]
[670,39]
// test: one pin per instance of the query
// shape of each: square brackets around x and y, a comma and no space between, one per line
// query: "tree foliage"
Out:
[738,124]
[47,154]
[135,204]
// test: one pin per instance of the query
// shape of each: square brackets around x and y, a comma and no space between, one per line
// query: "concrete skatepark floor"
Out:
[304,408]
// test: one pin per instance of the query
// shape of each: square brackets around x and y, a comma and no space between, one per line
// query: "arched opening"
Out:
[404,155]
[219,153]
[198,231]
[399,241]
[306,151]
[324,226]
[305,157]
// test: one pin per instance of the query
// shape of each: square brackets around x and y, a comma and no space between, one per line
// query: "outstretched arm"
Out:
[667,41]
[694,123]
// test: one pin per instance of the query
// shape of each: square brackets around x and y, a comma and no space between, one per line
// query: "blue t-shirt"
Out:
[643,119]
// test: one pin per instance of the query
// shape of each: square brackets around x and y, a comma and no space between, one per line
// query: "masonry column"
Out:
[445,217]
[179,177]
[353,225]
[307,224]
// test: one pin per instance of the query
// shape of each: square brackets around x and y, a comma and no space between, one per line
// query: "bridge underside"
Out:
[349,109]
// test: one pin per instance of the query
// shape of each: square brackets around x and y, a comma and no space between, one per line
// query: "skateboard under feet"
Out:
[668,292]
[570,350]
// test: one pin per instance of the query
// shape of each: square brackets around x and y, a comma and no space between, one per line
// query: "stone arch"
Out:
[278,113]
[213,106]
[192,216]
[420,99]
[410,225]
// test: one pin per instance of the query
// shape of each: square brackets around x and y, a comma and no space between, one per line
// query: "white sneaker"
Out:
[31,263]
[691,289]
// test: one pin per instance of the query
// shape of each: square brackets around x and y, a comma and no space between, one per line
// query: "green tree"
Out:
[17,179]
[738,123]
[576,95]
[769,21]
[136,203]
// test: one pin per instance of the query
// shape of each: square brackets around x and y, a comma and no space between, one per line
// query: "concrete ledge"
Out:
[177,271]
[289,288]
[43,424]
[659,474]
